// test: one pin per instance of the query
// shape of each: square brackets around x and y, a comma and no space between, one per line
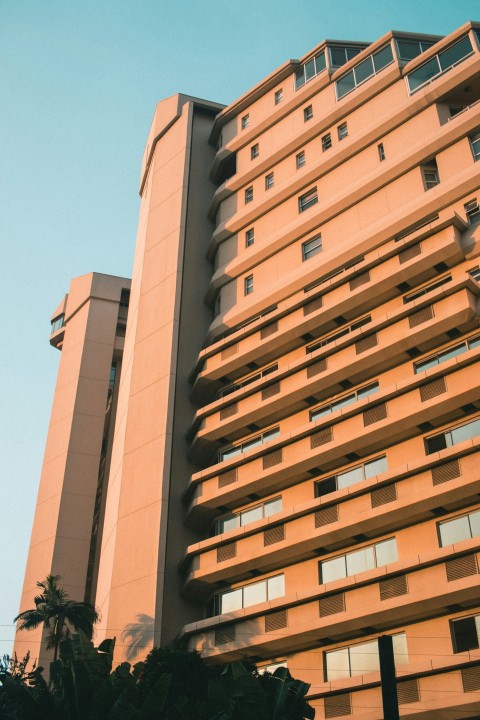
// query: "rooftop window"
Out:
[410,49]
[341,54]
[310,69]
[57,323]
[440,63]
[364,71]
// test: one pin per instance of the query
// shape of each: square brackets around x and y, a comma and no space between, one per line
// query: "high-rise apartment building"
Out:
[294,467]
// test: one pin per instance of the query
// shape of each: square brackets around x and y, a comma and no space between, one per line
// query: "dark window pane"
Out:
[423,74]
[408,49]
[310,69]
[326,486]
[320,62]
[383,57]
[352,52]
[465,635]
[363,70]
[455,53]
[436,443]
[345,84]
[337,56]
[299,78]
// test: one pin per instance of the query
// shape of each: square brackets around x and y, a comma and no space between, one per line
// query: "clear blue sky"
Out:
[79,82]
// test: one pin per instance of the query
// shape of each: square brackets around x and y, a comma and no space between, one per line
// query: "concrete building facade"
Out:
[293,471]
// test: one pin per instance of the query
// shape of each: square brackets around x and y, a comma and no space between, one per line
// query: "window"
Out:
[339,55]
[248,595]
[249,194]
[57,323]
[326,142]
[475,274]
[459,528]
[248,285]
[426,289]
[310,69]
[343,401]
[245,121]
[254,151]
[269,181]
[346,330]
[308,113]
[430,175]
[439,64]
[342,131]
[248,380]
[456,109]
[362,658]
[300,159]
[249,444]
[311,247]
[249,237]
[247,516]
[364,70]
[472,211]
[409,49]
[446,354]
[367,558]
[352,476]
[465,633]
[278,96]
[307,200]
[453,436]
[475,145]
[329,276]
[381,151]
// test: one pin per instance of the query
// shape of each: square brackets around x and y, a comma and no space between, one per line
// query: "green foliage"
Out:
[172,684]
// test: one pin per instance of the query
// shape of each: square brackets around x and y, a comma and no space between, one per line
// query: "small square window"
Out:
[249,237]
[269,181]
[475,145]
[249,194]
[245,121]
[472,211]
[300,158]
[308,113]
[248,285]
[381,152]
[306,201]
[254,151]
[311,247]
[278,96]
[326,142]
[342,131]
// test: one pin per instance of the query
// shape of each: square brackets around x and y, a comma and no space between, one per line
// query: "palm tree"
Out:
[58,613]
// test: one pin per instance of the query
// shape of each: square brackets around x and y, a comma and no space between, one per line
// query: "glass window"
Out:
[364,70]
[381,151]
[57,323]
[475,145]
[344,401]
[342,131]
[375,467]
[472,211]
[249,237]
[452,437]
[362,658]
[445,60]
[426,289]
[247,516]
[326,142]
[311,247]
[340,333]
[465,633]
[254,151]
[249,595]
[249,444]
[278,96]
[308,200]
[308,113]
[459,528]
[245,121]
[351,476]
[430,176]
[300,159]
[249,194]
[248,285]
[409,49]
[310,69]
[269,181]
[447,354]
[247,380]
